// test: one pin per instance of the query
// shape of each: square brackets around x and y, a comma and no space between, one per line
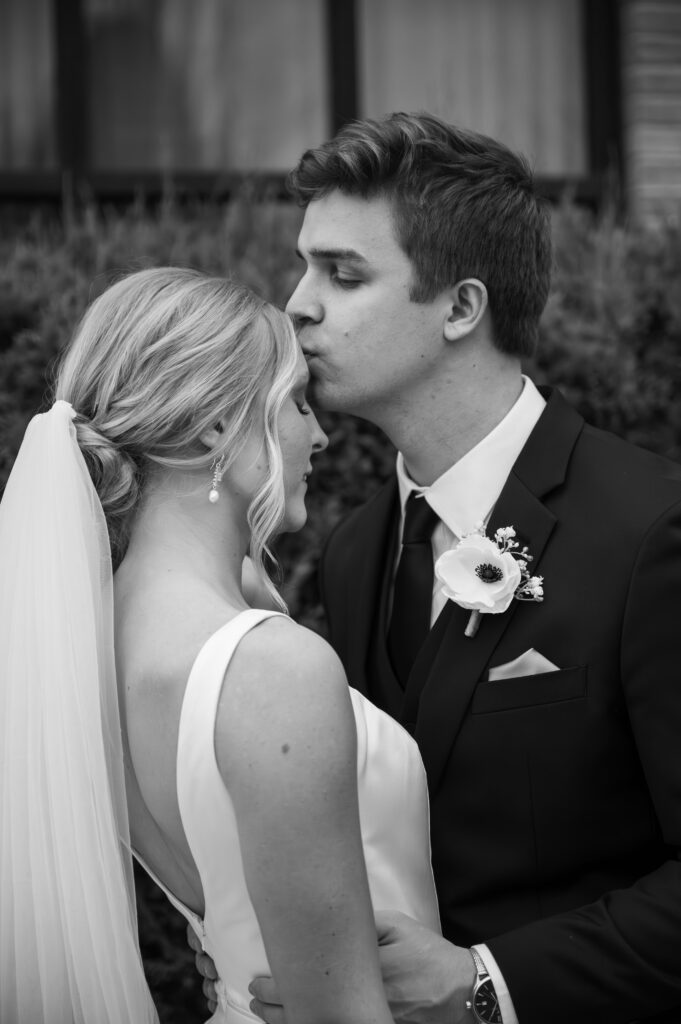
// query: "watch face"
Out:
[486,1004]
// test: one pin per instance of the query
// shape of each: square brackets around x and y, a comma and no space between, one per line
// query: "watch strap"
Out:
[479,964]
[482,981]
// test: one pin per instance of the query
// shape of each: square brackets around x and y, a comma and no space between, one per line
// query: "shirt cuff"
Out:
[508,1015]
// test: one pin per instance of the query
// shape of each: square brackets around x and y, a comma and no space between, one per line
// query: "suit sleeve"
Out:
[619,959]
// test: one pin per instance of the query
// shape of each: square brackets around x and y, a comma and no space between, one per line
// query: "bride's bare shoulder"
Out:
[277,656]
[284,695]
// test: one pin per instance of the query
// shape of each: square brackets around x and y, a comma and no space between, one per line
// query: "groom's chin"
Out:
[315,387]
[325,396]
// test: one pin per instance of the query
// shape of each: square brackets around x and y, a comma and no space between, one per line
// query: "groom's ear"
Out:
[467,305]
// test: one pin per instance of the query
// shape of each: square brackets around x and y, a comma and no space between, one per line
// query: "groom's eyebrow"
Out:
[347,255]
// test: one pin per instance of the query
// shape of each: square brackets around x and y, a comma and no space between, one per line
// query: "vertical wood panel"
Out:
[27,135]
[510,69]
[341,31]
[651,71]
[604,126]
[71,82]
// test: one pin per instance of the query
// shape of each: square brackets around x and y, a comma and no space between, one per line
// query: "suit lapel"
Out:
[451,663]
[371,556]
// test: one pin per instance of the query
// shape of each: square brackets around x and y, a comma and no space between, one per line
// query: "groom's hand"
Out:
[427,980]
[206,969]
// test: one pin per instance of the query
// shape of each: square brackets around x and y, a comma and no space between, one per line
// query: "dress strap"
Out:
[195,747]
[200,789]
[202,693]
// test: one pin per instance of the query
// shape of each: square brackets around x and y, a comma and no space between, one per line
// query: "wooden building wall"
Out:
[651,82]
[238,85]
[166,87]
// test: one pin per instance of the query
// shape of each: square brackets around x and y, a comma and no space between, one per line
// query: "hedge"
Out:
[610,339]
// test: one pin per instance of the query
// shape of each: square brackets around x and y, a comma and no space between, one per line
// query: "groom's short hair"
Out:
[464,206]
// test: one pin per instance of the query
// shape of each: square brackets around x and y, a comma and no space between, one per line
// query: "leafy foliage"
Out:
[610,339]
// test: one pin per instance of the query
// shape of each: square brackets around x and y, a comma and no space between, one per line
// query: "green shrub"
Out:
[611,333]
[610,339]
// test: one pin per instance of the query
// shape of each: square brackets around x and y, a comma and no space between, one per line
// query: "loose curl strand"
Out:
[266,511]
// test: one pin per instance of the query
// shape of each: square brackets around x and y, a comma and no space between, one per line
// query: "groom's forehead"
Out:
[346,226]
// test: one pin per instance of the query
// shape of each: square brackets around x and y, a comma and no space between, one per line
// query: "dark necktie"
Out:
[412,596]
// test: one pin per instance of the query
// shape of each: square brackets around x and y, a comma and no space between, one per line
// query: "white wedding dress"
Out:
[393,804]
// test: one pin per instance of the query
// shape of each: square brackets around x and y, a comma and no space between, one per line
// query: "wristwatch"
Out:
[484,1004]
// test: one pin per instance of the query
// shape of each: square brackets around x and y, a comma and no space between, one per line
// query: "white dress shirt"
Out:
[465,495]
[463,498]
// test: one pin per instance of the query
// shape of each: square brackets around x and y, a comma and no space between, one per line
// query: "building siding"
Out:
[651,96]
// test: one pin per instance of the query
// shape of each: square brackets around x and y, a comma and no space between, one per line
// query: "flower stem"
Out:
[473,623]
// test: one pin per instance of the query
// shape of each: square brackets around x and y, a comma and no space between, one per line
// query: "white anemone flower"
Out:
[478,576]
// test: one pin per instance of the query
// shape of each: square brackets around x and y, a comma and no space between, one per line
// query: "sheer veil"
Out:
[69,952]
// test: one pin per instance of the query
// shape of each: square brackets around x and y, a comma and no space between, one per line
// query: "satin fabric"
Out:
[393,803]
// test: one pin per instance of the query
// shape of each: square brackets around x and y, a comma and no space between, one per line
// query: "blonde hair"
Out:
[157,360]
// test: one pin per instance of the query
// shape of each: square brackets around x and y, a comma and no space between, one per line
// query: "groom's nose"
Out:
[303,307]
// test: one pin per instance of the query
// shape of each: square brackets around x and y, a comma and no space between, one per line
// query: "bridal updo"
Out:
[156,361]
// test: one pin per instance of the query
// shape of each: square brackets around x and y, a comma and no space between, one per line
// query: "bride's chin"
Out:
[294,519]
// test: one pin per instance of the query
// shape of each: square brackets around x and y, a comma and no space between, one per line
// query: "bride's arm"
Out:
[286,747]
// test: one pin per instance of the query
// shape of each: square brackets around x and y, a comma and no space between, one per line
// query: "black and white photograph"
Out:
[340,511]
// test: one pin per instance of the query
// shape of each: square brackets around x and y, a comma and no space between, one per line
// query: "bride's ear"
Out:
[212,437]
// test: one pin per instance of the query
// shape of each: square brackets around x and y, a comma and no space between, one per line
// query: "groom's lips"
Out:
[313,365]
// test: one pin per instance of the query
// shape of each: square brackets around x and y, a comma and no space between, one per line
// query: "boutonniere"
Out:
[485,575]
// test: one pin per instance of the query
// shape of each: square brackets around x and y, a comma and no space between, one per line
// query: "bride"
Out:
[170,709]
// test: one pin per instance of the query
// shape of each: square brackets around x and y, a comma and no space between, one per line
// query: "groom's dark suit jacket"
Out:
[555,798]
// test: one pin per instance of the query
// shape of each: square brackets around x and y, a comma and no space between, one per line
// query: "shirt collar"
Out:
[464,496]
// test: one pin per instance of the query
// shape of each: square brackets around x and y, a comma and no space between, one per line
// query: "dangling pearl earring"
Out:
[214,493]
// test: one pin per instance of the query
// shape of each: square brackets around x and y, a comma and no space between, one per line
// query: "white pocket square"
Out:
[531,663]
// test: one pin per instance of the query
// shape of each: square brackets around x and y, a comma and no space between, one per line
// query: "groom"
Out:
[552,736]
